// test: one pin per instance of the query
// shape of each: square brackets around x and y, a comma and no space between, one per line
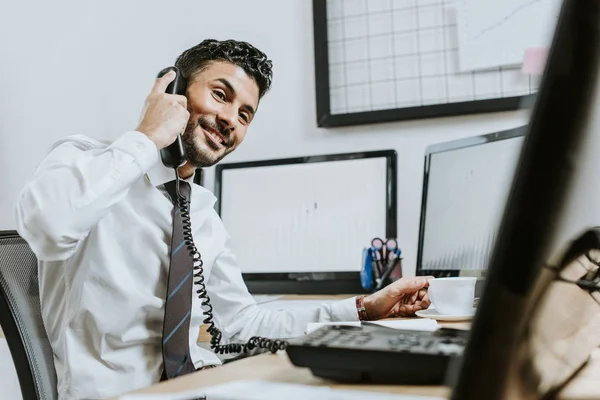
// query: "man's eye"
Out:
[219,94]
[244,117]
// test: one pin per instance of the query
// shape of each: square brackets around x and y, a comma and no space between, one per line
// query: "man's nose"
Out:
[227,117]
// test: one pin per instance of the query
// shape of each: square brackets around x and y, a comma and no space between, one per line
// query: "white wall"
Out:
[73,66]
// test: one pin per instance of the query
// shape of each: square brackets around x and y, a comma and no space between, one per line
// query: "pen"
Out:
[374,263]
[391,265]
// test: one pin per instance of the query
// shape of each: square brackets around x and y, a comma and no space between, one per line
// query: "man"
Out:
[101,228]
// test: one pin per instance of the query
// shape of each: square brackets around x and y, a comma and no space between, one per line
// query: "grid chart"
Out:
[391,54]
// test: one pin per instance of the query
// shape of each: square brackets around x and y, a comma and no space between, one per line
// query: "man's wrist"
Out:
[362,307]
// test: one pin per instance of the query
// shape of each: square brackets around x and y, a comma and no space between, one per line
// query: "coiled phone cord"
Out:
[273,345]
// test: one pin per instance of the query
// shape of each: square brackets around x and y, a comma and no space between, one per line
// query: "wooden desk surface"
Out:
[278,368]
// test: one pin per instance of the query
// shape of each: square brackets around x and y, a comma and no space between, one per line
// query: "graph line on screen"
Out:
[498,33]
[394,54]
[506,18]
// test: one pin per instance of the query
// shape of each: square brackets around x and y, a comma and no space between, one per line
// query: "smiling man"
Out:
[101,228]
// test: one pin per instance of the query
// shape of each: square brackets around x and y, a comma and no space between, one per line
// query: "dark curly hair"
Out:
[253,61]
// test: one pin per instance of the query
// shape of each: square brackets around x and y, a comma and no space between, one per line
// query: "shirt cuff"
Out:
[344,310]
[140,147]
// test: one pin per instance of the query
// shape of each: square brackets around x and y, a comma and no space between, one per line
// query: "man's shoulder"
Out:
[203,197]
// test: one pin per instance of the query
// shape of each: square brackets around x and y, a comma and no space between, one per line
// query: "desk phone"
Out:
[377,354]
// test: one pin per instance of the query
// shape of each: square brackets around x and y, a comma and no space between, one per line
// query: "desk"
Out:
[278,368]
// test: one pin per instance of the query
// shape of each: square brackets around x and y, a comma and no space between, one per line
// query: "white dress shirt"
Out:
[101,230]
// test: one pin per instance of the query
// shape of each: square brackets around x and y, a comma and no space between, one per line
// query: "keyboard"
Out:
[377,354]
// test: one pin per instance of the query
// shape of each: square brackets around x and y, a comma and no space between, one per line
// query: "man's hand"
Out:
[401,298]
[165,115]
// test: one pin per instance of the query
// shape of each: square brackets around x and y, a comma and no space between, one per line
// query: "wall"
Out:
[85,67]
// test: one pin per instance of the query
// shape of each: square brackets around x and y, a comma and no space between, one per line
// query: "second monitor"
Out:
[465,186]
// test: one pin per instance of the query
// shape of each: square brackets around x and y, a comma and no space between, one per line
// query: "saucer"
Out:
[434,314]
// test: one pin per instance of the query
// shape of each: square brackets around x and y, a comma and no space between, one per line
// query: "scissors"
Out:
[384,249]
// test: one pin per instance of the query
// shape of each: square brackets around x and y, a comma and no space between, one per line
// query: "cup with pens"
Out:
[382,264]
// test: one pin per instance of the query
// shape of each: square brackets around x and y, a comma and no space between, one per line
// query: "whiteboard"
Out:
[496,33]
[310,217]
[399,54]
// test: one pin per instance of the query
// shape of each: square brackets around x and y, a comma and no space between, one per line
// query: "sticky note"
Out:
[534,61]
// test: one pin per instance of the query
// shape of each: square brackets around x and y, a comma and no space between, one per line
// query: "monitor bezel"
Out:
[443,147]
[326,282]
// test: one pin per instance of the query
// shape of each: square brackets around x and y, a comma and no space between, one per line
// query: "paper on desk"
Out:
[265,390]
[421,324]
[187,395]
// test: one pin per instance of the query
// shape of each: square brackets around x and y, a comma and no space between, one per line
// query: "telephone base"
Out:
[380,355]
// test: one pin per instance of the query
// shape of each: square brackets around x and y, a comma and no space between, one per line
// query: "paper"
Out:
[187,395]
[265,390]
[422,324]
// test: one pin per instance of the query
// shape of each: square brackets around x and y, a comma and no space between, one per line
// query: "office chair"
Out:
[21,319]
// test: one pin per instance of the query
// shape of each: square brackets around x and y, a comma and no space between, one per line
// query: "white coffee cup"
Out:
[453,296]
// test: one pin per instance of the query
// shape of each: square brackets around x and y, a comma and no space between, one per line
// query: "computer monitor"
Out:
[465,185]
[552,200]
[298,225]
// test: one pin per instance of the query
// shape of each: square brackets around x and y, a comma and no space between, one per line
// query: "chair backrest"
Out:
[21,319]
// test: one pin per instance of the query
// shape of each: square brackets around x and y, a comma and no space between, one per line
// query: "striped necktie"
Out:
[178,307]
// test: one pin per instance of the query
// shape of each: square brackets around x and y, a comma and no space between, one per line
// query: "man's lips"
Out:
[214,136]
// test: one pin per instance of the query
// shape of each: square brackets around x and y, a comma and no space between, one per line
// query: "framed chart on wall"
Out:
[393,60]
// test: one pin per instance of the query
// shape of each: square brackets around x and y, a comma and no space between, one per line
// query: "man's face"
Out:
[222,100]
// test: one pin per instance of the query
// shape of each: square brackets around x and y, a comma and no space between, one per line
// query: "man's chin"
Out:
[203,159]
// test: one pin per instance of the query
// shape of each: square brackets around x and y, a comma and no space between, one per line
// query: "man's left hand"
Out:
[401,298]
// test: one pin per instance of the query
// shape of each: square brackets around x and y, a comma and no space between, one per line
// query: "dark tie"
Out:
[178,307]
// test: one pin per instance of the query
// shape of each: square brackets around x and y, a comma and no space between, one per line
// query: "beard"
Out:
[199,153]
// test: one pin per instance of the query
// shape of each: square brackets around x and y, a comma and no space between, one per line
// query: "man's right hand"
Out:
[165,115]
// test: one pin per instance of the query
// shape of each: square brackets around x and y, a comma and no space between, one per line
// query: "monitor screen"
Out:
[465,186]
[299,224]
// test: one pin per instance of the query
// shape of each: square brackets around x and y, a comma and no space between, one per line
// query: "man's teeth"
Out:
[216,137]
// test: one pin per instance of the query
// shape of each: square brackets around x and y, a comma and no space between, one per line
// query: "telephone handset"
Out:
[173,156]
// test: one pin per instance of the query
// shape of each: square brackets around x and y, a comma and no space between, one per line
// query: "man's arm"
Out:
[77,183]
[74,187]
[237,315]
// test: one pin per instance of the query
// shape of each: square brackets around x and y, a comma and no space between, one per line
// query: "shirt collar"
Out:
[159,175]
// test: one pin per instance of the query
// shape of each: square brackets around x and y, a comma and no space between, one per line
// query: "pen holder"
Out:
[375,273]
[366,271]
[397,272]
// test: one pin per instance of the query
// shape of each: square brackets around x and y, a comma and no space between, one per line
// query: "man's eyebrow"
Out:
[229,87]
